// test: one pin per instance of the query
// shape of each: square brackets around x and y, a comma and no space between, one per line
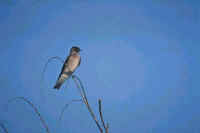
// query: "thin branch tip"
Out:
[34,108]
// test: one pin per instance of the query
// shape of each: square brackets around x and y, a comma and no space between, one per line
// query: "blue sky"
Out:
[140,57]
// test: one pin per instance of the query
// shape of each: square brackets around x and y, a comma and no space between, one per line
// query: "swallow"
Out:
[70,65]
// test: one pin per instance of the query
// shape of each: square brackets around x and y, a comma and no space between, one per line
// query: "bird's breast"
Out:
[73,62]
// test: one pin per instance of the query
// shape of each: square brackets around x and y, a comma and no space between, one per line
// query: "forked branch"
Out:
[84,97]
[101,116]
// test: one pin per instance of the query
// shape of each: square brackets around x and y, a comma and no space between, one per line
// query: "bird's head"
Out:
[75,49]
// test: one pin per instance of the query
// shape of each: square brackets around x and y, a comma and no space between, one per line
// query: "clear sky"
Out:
[140,57]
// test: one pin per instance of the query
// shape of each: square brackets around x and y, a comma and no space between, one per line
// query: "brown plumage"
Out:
[70,65]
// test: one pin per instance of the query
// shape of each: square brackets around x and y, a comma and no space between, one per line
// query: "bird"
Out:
[70,65]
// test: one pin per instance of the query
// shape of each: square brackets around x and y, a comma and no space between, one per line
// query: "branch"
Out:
[46,64]
[101,116]
[3,127]
[84,97]
[66,105]
[35,110]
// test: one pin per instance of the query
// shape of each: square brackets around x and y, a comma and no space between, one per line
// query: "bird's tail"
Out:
[60,81]
[58,85]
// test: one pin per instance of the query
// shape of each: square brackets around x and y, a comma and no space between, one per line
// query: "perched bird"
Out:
[70,65]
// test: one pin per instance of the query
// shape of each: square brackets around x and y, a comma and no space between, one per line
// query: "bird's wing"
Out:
[79,62]
[63,67]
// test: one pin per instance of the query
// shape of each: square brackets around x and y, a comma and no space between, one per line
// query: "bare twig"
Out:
[3,127]
[35,110]
[46,64]
[84,97]
[66,105]
[101,116]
